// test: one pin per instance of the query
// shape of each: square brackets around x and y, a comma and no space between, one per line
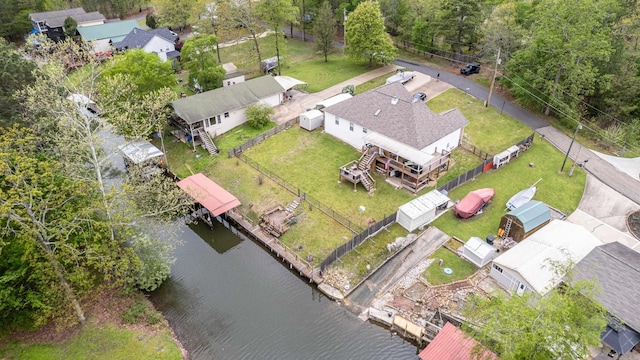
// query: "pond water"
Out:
[228,298]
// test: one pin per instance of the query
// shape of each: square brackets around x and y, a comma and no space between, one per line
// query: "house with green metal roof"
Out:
[104,35]
[524,220]
[217,111]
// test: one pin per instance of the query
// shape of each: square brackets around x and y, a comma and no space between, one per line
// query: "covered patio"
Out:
[403,165]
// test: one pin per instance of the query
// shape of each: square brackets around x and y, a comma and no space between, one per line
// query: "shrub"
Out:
[258,115]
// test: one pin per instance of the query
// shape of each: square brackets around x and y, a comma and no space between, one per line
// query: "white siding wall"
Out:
[233,80]
[509,279]
[273,100]
[448,143]
[342,130]
[236,117]
[159,46]
[91,23]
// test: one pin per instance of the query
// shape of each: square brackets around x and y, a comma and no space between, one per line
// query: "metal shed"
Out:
[311,119]
[478,252]
[422,210]
[523,221]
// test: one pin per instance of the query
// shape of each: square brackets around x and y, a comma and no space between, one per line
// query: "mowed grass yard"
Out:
[557,190]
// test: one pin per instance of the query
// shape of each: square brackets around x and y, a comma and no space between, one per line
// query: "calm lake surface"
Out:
[228,298]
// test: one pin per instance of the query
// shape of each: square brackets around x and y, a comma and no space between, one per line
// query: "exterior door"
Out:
[520,289]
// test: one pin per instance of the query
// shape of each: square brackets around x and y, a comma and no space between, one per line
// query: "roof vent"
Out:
[394,100]
[377,112]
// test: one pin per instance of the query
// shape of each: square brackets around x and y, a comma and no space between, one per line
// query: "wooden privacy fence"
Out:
[261,137]
[475,151]
[357,240]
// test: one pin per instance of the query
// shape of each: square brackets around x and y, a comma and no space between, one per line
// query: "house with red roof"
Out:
[452,344]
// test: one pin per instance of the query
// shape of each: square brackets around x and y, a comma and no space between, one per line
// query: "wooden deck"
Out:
[275,246]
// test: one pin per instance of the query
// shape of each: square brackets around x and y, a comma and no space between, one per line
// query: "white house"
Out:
[478,252]
[220,110]
[232,75]
[421,210]
[404,140]
[159,41]
[531,266]
[390,112]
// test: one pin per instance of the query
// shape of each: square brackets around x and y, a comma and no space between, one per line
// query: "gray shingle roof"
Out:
[218,101]
[411,123]
[79,18]
[138,38]
[616,268]
[41,16]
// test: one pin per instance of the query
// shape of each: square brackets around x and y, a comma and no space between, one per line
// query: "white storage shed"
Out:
[504,157]
[422,210]
[311,119]
[478,252]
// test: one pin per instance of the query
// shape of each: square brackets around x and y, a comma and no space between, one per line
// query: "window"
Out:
[337,120]
[351,126]
[364,130]
[226,114]
[219,120]
[497,267]
[207,122]
[229,83]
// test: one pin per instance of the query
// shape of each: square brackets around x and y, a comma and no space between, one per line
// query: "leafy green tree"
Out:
[459,21]
[277,13]
[238,16]
[259,115]
[324,30]
[199,57]
[150,20]
[70,26]
[14,17]
[502,30]
[396,15]
[15,72]
[146,70]
[559,64]
[175,14]
[366,35]
[560,325]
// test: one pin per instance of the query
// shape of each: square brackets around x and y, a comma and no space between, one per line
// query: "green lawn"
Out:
[557,190]
[321,75]
[104,342]
[434,274]
[371,252]
[373,83]
[488,130]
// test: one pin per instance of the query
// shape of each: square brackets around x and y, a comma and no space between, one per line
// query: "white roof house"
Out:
[421,210]
[529,266]
[478,252]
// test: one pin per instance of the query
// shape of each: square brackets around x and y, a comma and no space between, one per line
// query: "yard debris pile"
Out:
[401,243]
[336,277]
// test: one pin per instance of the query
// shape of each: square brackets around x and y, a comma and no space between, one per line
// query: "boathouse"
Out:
[211,199]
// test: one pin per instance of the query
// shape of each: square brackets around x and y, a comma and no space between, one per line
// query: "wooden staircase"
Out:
[207,143]
[291,208]
[365,162]
[368,183]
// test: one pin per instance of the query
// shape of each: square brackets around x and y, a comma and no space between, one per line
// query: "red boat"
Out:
[473,202]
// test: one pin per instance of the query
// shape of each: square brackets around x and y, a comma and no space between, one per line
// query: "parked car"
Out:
[419,97]
[473,202]
[472,68]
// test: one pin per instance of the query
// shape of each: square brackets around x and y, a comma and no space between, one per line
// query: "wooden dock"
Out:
[288,256]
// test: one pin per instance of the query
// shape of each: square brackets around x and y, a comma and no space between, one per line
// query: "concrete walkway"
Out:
[298,105]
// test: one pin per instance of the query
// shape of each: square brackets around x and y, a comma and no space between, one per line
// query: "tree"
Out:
[459,22]
[198,56]
[560,325]
[15,72]
[396,15]
[175,14]
[324,30]
[64,242]
[559,63]
[146,70]
[366,36]
[258,115]
[237,16]
[502,30]
[14,17]
[70,26]
[277,13]
[150,20]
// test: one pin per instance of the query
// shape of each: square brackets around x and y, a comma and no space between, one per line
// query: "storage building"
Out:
[421,210]
[311,119]
[523,221]
[478,252]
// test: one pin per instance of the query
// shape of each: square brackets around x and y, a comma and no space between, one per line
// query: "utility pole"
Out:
[493,80]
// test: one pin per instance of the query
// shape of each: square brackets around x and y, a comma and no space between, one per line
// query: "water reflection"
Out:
[243,304]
